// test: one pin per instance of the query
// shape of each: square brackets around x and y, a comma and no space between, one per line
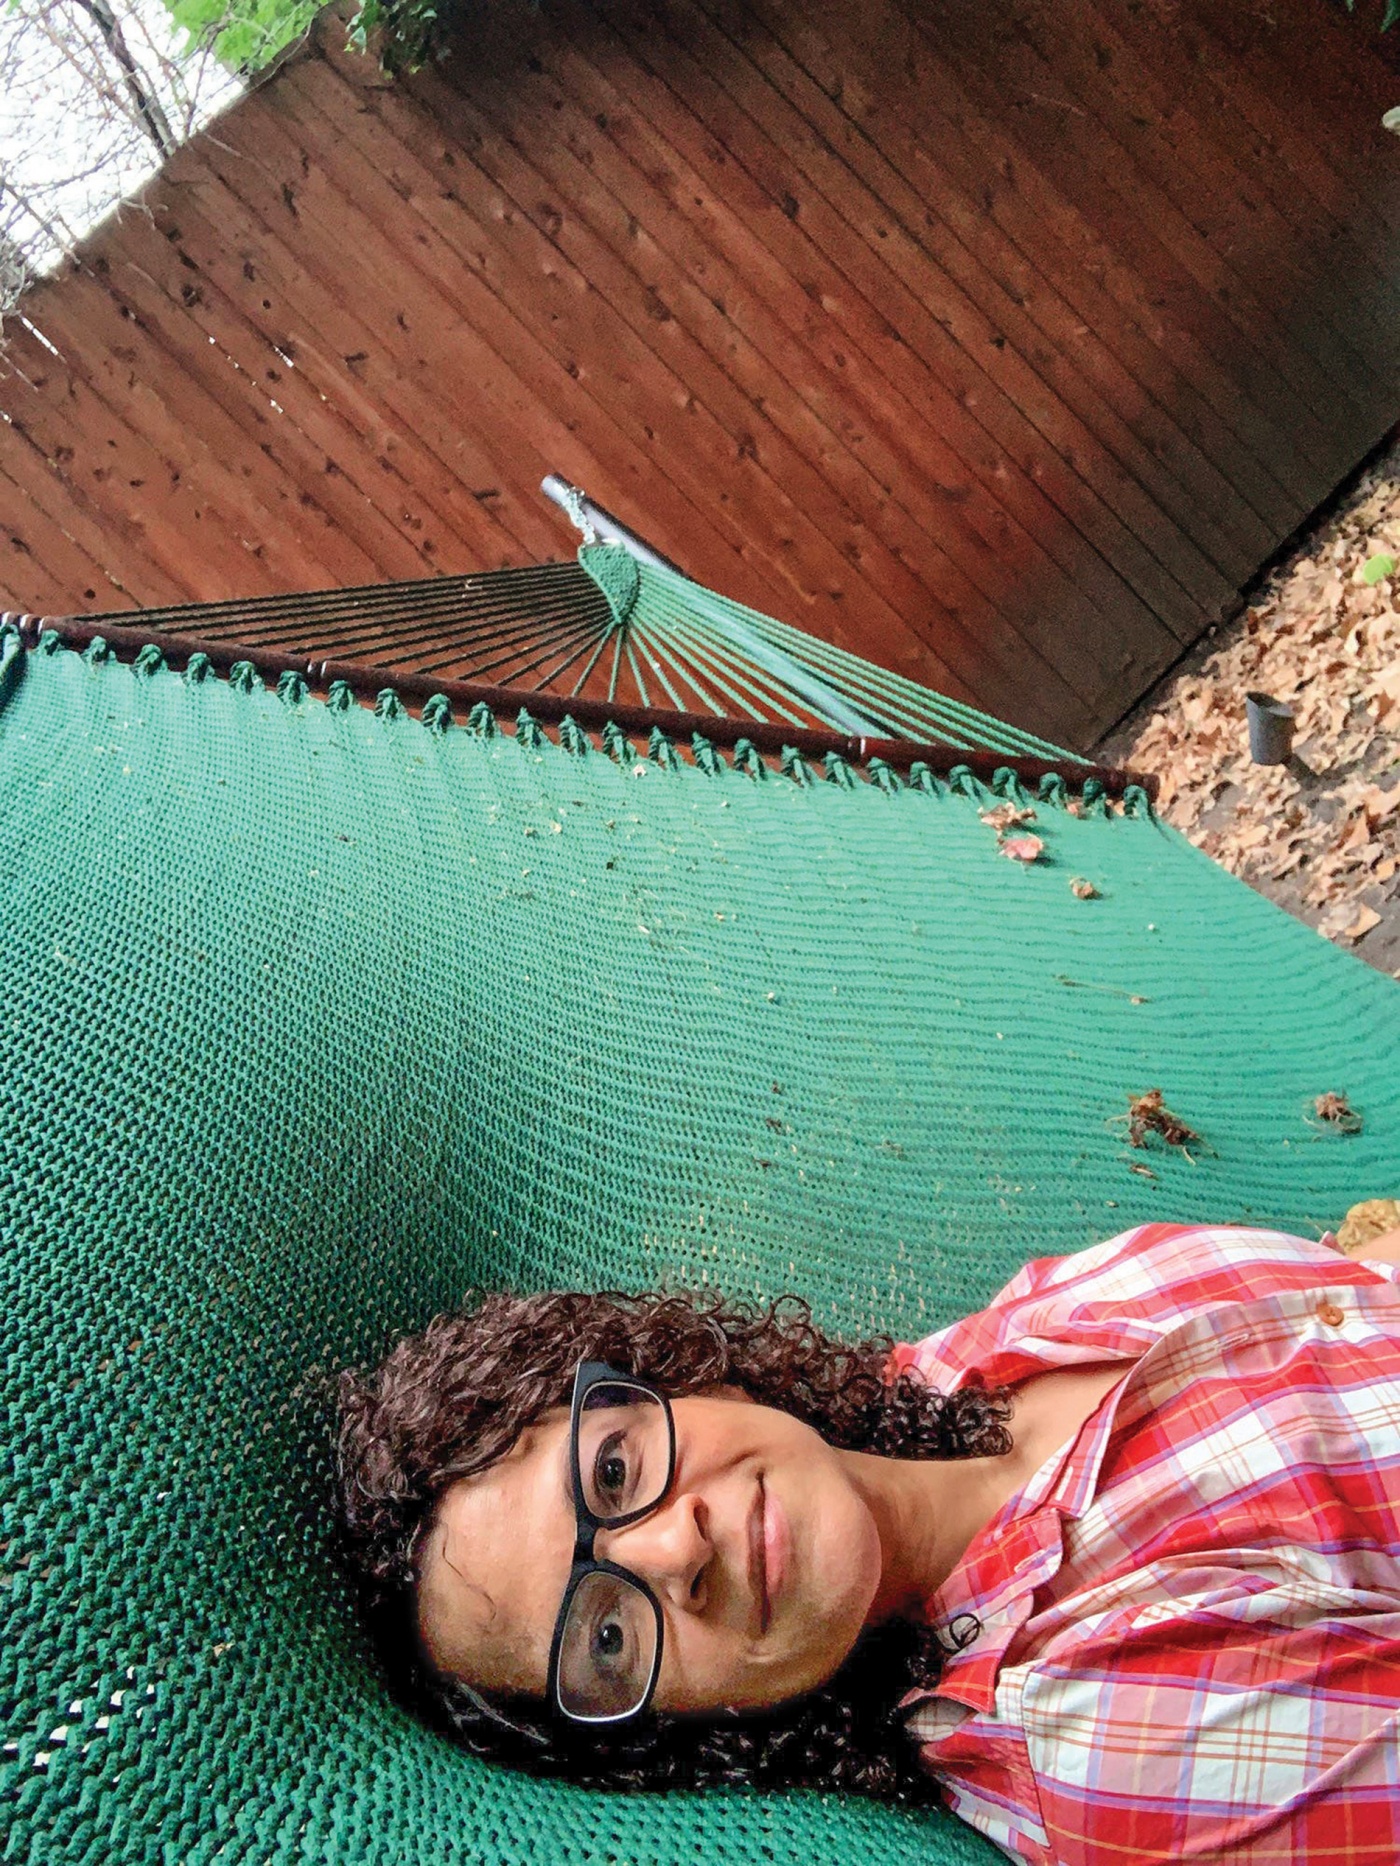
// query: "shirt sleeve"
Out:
[1115,1299]
[1291,1754]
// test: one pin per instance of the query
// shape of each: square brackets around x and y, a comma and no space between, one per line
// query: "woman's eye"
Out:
[610,1470]
[609,1640]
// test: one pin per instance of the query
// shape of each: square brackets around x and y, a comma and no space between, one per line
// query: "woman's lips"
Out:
[777,1548]
[770,1544]
[758,1560]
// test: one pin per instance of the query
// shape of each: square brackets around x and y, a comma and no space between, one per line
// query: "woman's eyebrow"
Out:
[566,1473]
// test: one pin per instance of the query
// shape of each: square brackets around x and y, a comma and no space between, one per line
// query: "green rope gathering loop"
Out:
[1095,797]
[662,752]
[921,777]
[749,760]
[149,660]
[963,780]
[1006,782]
[616,744]
[838,771]
[50,641]
[482,721]
[97,651]
[1136,801]
[884,776]
[388,705]
[793,765]
[572,737]
[291,687]
[243,677]
[707,759]
[614,569]
[437,713]
[340,696]
[198,668]
[529,733]
[1053,789]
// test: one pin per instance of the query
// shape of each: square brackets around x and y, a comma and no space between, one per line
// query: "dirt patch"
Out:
[1321,632]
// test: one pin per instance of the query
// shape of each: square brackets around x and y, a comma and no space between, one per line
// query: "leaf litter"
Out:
[1320,835]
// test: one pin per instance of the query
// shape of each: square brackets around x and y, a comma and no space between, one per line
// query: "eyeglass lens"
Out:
[608,1647]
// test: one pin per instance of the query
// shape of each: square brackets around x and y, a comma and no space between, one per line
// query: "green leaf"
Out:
[1381,565]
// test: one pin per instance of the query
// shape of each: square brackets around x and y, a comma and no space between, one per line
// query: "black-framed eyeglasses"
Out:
[606,1653]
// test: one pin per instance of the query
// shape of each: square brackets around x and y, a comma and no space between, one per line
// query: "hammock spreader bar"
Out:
[367,683]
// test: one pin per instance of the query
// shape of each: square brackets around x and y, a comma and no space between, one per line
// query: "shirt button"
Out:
[1329,1313]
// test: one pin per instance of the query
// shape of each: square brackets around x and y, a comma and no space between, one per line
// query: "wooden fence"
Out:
[1001,344]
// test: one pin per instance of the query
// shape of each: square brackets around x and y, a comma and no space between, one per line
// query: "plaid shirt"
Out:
[1190,1617]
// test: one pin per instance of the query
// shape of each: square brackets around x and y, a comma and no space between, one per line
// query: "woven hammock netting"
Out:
[317,1018]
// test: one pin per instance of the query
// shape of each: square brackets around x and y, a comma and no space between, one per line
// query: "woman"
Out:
[1121,1553]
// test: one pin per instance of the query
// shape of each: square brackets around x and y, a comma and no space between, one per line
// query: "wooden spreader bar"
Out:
[550,708]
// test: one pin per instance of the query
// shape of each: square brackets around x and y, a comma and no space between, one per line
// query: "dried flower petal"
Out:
[1338,1110]
[1007,816]
[1148,1115]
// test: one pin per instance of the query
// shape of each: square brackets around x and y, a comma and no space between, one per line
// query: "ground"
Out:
[1321,631]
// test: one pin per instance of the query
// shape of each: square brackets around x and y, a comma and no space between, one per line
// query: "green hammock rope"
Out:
[317,1017]
[605,628]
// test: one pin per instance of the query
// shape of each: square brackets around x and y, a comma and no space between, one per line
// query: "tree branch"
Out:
[147,106]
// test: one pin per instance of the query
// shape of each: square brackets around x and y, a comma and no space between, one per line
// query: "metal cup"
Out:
[1270,729]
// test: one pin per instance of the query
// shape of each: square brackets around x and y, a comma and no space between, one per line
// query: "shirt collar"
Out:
[1019,1550]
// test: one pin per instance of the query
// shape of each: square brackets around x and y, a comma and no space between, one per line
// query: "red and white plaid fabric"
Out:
[1190,1617]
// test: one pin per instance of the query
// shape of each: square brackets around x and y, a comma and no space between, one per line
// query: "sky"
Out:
[71,147]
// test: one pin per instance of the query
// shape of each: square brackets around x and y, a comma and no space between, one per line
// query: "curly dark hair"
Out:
[450,1401]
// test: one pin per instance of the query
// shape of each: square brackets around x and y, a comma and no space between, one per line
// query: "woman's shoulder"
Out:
[1114,1299]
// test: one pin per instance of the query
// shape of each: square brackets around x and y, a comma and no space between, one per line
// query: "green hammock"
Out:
[315,1018]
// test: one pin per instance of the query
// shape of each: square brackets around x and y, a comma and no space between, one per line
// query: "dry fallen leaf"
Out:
[1006,816]
[1370,1219]
[1084,890]
[1147,1114]
[1361,926]
[1023,848]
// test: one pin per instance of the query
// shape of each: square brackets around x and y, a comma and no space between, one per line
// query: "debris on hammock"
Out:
[1074,807]
[1007,816]
[1337,1112]
[1023,848]
[1114,991]
[1084,890]
[1148,1115]
[1136,1166]
[1367,1220]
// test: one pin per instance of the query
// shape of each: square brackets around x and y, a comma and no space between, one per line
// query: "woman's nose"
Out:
[670,1549]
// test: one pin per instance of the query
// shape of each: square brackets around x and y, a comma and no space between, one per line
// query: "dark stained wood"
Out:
[1002,345]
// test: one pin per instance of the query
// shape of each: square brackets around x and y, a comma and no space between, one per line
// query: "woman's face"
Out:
[764,1556]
